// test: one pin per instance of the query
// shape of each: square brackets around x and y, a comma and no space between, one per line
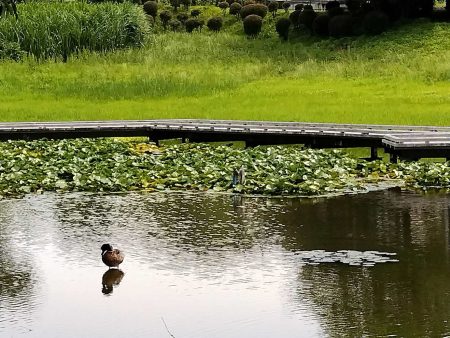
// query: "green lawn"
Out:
[401,77]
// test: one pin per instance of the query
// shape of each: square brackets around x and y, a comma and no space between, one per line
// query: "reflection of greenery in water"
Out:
[409,299]
[230,240]
[17,287]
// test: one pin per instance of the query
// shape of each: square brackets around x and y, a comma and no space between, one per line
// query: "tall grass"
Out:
[51,29]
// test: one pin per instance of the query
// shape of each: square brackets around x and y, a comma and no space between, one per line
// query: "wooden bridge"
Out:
[406,142]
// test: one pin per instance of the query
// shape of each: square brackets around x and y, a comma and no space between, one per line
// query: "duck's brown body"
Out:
[111,257]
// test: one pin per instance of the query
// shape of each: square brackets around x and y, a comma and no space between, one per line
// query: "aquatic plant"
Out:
[114,165]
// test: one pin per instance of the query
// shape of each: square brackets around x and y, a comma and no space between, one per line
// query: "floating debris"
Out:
[349,257]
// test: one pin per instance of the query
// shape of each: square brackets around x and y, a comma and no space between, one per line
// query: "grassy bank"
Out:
[401,77]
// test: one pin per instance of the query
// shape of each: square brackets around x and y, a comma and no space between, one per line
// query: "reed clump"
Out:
[54,30]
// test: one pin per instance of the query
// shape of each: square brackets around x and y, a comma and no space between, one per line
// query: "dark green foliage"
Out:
[440,15]
[175,4]
[151,8]
[223,6]
[273,8]
[215,23]
[375,22]
[332,4]
[394,9]
[186,4]
[235,8]
[252,24]
[353,6]
[308,7]
[320,25]
[341,26]
[175,25]
[255,9]
[298,7]
[335,11]
[165,17]
[193,23]
[11,50]
[294,18]
[286,5]
[195,13]
[150,19]
[307,17]
[182,17]
[282,27]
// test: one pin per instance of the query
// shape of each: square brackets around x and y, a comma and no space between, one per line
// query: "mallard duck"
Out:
[111,257]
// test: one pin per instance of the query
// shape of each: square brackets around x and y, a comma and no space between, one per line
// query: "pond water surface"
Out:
[206,265]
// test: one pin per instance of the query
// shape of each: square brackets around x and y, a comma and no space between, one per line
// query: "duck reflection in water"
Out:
[111,278]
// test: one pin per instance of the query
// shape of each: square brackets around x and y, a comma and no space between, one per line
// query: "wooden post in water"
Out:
[373,153]
[393,158]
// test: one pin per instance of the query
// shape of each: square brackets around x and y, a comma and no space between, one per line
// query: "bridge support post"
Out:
[393,158]
[374,153]
[153,139]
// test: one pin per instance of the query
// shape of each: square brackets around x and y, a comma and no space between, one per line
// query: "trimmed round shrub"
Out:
[151,8]
[255,9]
[375,22]
[294,18]
[195,13]
[282,27]
[182,17]
[215,23]
[273,8]
[298,7]
[335,11]
[235,8]
[340,26]
[308,7]
[175,25]
[252,24]
[193,23]
[165,17]
[307,17]
[320,25]
[286,5]
[223,6]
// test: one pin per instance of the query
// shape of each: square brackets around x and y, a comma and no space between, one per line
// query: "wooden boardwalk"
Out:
[408,142]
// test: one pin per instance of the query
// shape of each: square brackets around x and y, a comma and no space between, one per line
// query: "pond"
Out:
[211,265]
